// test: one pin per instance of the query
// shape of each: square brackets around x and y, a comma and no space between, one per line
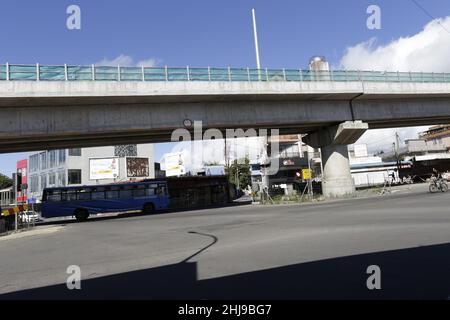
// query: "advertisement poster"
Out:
[138,168]
[100,169]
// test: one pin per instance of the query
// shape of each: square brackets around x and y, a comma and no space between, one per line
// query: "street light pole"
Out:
[255,35]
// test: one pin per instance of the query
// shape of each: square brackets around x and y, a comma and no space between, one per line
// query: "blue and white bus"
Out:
[148,197]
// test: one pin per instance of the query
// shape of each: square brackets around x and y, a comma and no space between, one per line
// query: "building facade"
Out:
[437,135]
[419,146]
[88,166]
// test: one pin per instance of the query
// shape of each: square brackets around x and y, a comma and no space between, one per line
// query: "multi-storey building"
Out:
[437,135]
[87,166]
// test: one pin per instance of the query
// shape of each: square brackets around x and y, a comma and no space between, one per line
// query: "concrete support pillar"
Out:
[337,181]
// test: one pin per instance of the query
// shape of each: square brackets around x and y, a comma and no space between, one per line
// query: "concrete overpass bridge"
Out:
[48,107]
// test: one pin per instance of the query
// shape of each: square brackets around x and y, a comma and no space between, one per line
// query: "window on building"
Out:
[52,179]
[34,184]
[43,181]
[74,176]
[61,179]
[129,150]
[61,157]
[34,163]
[52,158]
[75,152]
[43,160]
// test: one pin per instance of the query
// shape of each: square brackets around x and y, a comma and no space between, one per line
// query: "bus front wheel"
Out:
[149,208]
[81,214]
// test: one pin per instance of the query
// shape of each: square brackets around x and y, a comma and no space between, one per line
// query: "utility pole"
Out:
[16,187]
[264,183]
[397,152]
[310,190]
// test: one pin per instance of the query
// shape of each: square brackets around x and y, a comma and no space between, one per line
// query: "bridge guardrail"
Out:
[18,72]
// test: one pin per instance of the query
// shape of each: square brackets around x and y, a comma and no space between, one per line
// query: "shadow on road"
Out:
[415,273]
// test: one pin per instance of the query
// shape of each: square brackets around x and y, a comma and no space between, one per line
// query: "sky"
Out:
[219,33]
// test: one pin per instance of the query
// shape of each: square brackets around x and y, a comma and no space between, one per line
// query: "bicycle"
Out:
[438,184]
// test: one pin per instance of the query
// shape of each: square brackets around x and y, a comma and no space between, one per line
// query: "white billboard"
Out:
[174,164]
[107,168]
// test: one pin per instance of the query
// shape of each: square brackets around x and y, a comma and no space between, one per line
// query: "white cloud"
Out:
[427,51]
[127,61]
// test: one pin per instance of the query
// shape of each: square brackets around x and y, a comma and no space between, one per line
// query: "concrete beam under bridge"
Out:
[337,180]
[37,115]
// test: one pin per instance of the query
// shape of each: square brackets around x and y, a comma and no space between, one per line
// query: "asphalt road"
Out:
[245,252]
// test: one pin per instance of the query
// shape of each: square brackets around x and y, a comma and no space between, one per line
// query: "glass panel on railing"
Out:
[198,74]
[2,72]
[428,77]
[275,75]
[447,77]
[321,75]
[239,74]
[79,73]
[404,77]
[416,76]
[439,77]
[20,72]
[106,73]
[257,75]
[292,75]
[338,75]
[353,75]
[131,73]
[155,74]
[391,77]
[219,74]
[52,73]
[307,75]
[177,74]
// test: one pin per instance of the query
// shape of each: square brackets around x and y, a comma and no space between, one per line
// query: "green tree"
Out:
[5,182]
[239,173]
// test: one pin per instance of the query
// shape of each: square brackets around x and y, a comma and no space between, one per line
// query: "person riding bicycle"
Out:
[436,174]
[437,182]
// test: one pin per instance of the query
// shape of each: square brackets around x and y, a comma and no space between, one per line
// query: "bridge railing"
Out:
[16,72]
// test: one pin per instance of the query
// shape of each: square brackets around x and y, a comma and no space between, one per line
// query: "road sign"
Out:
[306,174]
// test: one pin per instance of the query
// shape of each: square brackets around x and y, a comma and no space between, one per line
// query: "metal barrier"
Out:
[16,72]
[17,218]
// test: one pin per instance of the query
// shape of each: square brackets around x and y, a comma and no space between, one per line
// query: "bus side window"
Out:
[84,194]
[71,195]
[150,192]
[138,193]
[98,195]
[54,196]
[125,193]
[112,194]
